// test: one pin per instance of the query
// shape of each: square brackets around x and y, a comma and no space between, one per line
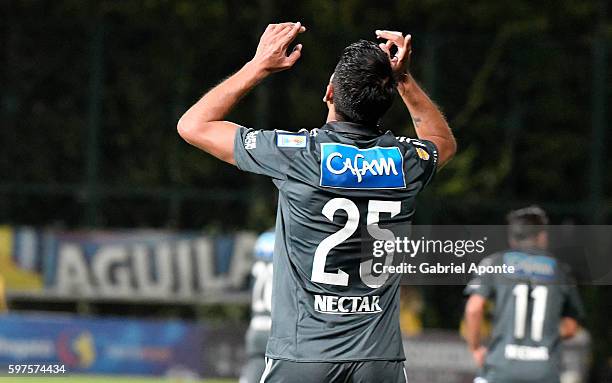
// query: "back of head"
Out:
[363,83]
[526,223]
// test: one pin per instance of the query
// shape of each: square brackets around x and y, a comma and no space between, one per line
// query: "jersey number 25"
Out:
[341,278]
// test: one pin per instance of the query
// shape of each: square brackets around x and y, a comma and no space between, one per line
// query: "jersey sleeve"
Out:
[481,284]
[267,152]
[427,158]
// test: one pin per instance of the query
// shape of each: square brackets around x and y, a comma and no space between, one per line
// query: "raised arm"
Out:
[203,126]
[429,122]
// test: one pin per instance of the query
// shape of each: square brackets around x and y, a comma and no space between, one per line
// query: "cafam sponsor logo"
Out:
[348,167]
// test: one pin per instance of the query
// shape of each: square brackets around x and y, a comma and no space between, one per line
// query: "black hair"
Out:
[363,83]
[526,223]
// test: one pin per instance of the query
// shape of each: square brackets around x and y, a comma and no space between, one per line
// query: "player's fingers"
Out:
[404,50]
[389,45]
[285,27]
[280,28]
[291,33]
[388,34]
[408,42]
[268,31]
[400,54]
[294,29]
[393,36]
[277,30]
[408,45]
[386,47]
[294,56]
[297,28]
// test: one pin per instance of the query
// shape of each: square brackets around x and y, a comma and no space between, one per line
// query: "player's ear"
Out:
[329,94]
[329,91]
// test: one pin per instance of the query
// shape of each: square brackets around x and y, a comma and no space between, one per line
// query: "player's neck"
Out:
[331,115]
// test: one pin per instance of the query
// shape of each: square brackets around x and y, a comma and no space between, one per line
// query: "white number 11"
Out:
[539,295]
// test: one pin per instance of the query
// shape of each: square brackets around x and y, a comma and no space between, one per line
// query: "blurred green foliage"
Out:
[515,79]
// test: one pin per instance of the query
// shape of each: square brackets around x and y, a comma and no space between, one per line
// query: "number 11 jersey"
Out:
[529,305]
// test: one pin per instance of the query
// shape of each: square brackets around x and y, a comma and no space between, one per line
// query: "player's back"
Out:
[529,305]
[339,186]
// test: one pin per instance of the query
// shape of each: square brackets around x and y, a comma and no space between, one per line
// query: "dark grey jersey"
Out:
[338,187]
[529,305]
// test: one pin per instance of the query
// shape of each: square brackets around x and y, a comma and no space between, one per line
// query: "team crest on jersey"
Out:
[348,167]
[291,140]
[422,154]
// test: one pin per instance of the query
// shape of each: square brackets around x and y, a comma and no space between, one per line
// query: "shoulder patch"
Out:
[250,140]
[422,153]
[291,140]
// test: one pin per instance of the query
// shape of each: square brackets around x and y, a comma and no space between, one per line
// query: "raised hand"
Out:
[401,60]
[271,55]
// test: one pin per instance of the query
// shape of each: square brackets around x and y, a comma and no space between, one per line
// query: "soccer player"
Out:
[333,320]
[535,307]
[261,303]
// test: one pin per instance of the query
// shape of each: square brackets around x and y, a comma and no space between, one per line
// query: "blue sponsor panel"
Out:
[103,346]
[531,266]
[348,167]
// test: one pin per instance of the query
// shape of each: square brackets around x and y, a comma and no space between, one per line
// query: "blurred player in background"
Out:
[535,307]
[333,320]
[261,308]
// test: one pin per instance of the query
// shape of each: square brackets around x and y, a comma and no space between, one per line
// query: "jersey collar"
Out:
[352,128]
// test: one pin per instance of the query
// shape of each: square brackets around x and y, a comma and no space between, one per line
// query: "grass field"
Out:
[104,379]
